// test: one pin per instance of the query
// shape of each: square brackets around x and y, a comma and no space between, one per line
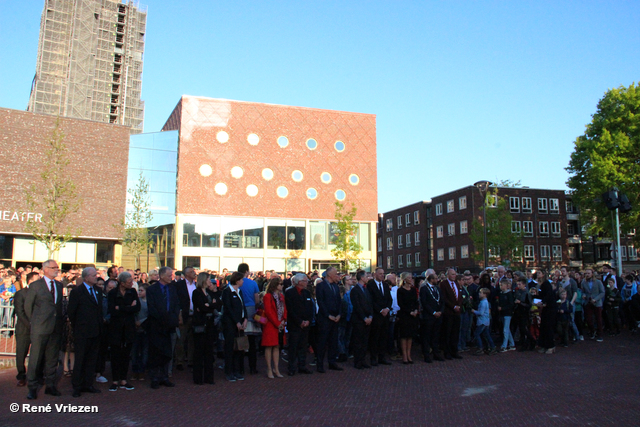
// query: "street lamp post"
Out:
[482,187]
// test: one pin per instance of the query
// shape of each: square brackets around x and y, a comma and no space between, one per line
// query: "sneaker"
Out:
[231,378]
[599,339]
[285,359]
[502,350]
[511,348]
[581,338]
[239,377]
[313,363]
[101,379]
[127,386]
[479,352]
[114,387]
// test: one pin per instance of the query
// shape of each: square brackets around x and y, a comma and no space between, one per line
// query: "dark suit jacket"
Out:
[362,306]
[122,326]
[200,309]
[449,297]
[162,322]
[23,328]
[85,313]
[379,300]
[431,302]
[329,300]
[44,315]
[183,296]
[300,307]
[233,307]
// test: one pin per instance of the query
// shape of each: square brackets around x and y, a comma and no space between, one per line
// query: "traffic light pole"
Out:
[619,260]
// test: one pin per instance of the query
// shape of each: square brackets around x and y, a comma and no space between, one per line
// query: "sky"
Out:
[462,91]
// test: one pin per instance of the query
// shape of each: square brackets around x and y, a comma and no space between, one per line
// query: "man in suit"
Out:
[23,330]
[381,302]
[164,310]
[361,319]
[300,311]
[184,345]
[85,314]
[452,296]
[329,304]
[432,305]
[43,309]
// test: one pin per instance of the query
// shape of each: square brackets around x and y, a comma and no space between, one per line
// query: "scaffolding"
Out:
[90,58]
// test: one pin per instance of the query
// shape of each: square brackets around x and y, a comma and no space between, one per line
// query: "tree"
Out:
[501,242]
[137,238]
[606,156]
[347,250]
[55,197]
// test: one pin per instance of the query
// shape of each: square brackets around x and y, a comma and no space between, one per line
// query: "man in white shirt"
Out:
[184,289]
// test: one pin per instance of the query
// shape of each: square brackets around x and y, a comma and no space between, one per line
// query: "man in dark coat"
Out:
[300,311]
[23,330]
[381,300]
[361,319]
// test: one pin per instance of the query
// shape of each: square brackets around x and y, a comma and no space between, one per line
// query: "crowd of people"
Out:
[152,324]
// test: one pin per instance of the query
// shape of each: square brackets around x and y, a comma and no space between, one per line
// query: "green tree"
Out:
[347,250]
[137,238]
[606,156]
[55,197]
[504,246]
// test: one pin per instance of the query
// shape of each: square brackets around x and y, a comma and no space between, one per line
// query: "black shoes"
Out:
[305,371]
[335,367]
[167,383]
[76,393]
[456,356]
[384,362]
[156,385]
[33,394]
[52,391]
[91,389]
[321,370]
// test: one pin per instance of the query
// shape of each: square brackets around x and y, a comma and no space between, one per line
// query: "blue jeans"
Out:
[465,326]
[506,332]
[483,331]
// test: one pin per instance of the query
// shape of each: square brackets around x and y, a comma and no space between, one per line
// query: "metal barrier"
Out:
[7,330]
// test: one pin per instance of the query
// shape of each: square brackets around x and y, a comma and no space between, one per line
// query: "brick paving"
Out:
[587,384]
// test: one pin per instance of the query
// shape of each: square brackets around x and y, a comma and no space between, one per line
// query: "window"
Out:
[464,228]
[543,228]
[451,229]
[416,238]
[377,227]
[623,252]
[440,254]
[285,235]
[450,206]
[572,253]
[527,228]
[389,243]
[515,227]
[452,253]
[408,240]
[389,224]
[464,251]
[416,258]
[526,205]
[462,202]
[554,206]
[400,241]
[556,252]
[571,229]
[400,260]
[544,253]
[514,204]
[542,206]
[568,204]
[439,209]
[633,254]
[529,253]
[389,263]
[380,245]
[555,228]
[409,260]
[440,231]
[407,220]
[492,201]
[399,225]
[416,217]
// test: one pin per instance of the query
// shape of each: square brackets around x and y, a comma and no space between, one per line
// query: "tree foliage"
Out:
[606,156]
[55,197]
[347,250]
[137,238]
[504,246]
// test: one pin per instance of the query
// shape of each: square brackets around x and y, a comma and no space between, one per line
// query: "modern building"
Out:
[89,64]
[98,156]
[235,181]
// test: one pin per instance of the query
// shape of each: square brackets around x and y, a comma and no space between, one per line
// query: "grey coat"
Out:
[596,293]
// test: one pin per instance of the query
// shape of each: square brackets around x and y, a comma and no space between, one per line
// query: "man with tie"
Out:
[184,345]
[43,309]
[361,318]
[381,302]
[23,329]
[329,304]
[452,296]
[85,314]
[164,311]
[432,305]
[300,311]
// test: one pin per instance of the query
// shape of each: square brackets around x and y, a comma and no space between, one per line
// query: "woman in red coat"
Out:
[276,313]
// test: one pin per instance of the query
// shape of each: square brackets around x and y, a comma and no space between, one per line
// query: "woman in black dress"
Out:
[548,313]
[408,321]
[205,304]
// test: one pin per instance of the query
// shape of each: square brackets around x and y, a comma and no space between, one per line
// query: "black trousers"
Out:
[520,321]
[158,364]
[359,341]
[298,345]
[103,352]
[430,334]
[252,354]
[120,357]
[233,360]
[23,341]
[327,341]
[45,354]
[203,356]
[378,336]
[450,333]
[86,355]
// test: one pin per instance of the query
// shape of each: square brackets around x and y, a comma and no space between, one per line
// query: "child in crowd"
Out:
[505,310]
[564,317]
[520,320]
[578,314]
[140,351]
[612,306]
[483,322]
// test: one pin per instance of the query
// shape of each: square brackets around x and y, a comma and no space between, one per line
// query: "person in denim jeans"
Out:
[483,322]
[505,310]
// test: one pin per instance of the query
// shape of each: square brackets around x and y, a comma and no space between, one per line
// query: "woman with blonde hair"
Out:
[276,313]
[408,321]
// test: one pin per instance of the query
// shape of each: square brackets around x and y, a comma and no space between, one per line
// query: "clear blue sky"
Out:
[462,90]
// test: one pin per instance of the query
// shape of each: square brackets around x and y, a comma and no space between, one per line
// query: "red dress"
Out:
[270,330]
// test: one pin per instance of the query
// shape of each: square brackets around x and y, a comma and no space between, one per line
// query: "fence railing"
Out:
[7,330]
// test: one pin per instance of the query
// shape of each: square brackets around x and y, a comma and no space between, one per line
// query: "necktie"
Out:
[166,297]
[380,287]
[93,292]
[455,289]
[52,285]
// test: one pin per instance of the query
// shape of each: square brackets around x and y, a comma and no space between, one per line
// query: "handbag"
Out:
[241,342]
[259,317]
